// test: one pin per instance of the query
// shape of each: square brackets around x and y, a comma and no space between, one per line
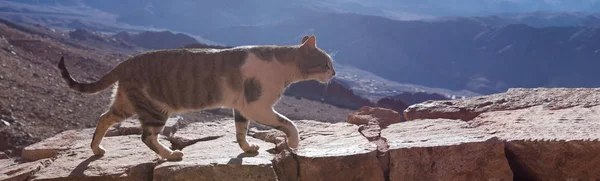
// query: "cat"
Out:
[249,79]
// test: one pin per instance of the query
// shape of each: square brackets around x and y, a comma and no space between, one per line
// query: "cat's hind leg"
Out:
[150,132]
[153,121]
[241,129]
[119,110]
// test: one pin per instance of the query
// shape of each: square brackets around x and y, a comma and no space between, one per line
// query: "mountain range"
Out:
[457,54]
[199,17]
[528,44]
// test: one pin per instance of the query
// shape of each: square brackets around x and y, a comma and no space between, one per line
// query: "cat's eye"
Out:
[327,66]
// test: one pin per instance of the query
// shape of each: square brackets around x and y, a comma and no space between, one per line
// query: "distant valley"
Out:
[450,55]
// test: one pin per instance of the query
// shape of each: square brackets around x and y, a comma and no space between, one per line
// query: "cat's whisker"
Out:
[324,91]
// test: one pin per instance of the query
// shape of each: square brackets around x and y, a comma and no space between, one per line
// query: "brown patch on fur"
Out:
[252,89]
[238,117]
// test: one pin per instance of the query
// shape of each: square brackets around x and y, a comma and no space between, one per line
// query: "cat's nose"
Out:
[333,74]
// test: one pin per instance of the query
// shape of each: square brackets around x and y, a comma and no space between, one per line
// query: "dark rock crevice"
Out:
[371,122]
[286,166]
[373,133]
[519,173]
[285,163]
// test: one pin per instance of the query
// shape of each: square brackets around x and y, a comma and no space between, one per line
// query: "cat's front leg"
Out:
[241,129]
[272,118]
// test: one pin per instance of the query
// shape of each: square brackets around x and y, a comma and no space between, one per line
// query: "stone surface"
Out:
[52,146]
[220,159]
[549,134]
[126,158]
[202,131]
[544,144]
[328,152]
[336,152]
[516,98]
[382,116]
[507,136]
[63,141]
[444,149]
[132,126]
[11,170]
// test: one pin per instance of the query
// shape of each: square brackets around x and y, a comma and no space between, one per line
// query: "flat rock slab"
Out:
[126,158]
[327,152]
[381,116]
[549,133]
[133,126]
[516,98]
[219,159]
[442,149]
[202,131]
[11,170]
[52,146]
[545,144]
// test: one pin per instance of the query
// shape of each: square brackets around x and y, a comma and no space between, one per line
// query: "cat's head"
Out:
[313,62]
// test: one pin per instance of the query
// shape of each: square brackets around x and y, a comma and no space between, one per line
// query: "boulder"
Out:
[12,170]
[126,158]
[442,149]
[3,155]
[220,159]
[381,116]
[133,126]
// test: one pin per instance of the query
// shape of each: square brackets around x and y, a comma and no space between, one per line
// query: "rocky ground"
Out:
[523,134]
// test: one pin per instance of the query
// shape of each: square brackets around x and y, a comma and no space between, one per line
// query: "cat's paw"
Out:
[251,148]
[292,143]
[99,151]
[175,156]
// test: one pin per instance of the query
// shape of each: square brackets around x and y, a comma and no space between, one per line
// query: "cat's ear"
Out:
[310,43]
[304,39]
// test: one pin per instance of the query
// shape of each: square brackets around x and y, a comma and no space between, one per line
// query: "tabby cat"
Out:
[249,79]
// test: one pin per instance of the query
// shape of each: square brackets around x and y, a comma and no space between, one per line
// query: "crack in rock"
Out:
[372,132]
[327,151]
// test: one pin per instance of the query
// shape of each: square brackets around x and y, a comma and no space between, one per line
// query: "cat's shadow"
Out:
[81,167]
[238,160]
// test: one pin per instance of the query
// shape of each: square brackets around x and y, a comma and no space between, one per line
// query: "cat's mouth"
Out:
[325,78]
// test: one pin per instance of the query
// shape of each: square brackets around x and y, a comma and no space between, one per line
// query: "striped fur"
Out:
[155,85]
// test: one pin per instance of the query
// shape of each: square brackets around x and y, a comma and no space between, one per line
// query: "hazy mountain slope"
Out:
[538,19]
[199,17]
[455,54]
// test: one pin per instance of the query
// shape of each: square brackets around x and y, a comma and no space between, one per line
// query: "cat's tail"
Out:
[106,81]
